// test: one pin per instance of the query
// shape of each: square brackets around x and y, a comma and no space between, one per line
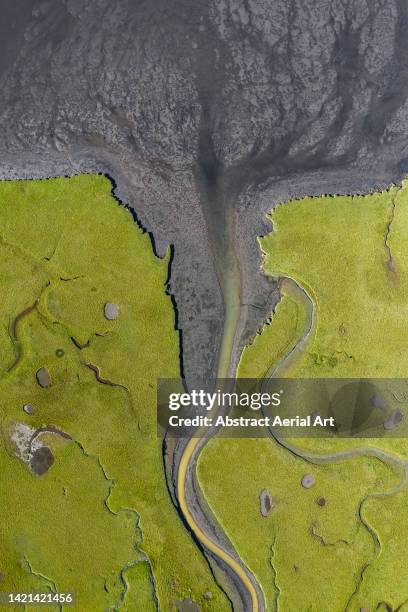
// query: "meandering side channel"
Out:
[289,285]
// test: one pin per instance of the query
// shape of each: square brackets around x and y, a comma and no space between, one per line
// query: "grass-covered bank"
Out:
[66,249]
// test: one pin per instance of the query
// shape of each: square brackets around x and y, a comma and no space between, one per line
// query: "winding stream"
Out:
[230,282]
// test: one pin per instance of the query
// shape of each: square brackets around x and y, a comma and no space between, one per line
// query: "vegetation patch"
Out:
[342,263]
[95,516]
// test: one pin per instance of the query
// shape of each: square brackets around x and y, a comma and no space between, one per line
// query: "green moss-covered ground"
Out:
[100,522]
[350,256]
[278,336]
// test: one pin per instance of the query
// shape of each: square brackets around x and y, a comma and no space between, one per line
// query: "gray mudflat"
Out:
[111,311]
[394,420]
[265,502]
[207,114]
[43,377]
[29,409]
[308,481]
